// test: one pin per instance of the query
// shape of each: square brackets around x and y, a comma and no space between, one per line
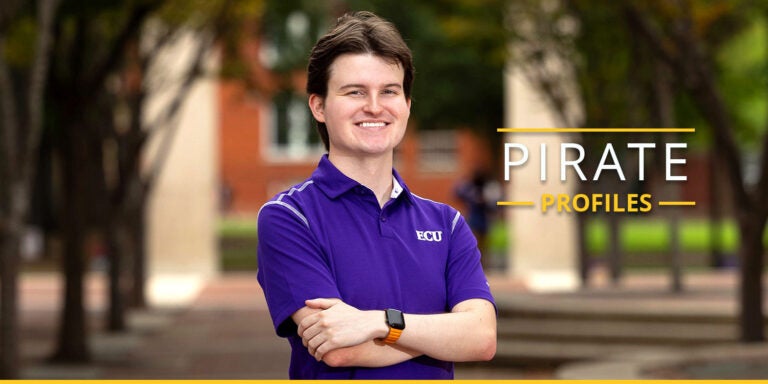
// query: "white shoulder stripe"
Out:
[290,193]
[425,199]
[455,220]
[284,204]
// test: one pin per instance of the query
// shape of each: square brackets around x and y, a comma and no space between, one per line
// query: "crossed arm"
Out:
[341,335]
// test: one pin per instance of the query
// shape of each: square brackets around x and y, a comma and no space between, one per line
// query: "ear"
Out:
[316,105]
[408,101]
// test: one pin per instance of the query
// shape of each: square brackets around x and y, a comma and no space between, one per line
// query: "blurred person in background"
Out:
[479,195]
[364,278]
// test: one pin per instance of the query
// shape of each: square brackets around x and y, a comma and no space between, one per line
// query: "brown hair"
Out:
[358,32]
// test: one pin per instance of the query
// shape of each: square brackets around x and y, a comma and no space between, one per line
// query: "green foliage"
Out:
[603,74]
[189,13]
[743,65]
[291,28]
[616,72]
[20,38]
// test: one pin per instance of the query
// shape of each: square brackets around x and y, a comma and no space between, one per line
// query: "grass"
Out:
[237,227]
[237,244]
[653,236]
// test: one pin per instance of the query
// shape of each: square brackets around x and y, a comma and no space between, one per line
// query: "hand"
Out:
[338,325]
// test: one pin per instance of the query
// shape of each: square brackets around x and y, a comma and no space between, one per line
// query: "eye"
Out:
[355,92]
[389,92]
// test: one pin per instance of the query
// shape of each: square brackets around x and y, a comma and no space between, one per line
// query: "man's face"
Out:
[365,110]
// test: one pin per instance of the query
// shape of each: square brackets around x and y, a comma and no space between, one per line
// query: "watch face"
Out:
[395,319]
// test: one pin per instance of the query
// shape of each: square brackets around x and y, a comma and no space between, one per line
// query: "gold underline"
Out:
[531,203]
[595,130]
[515,203]
[688,203]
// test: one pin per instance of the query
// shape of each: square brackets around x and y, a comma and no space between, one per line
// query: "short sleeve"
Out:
[465,277]
[292,266]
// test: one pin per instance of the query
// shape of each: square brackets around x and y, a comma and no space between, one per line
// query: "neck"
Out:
[373,172]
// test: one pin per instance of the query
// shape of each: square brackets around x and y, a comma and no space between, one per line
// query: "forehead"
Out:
[364,69]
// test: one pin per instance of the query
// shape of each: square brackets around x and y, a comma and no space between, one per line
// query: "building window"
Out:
[438,151]
[293,134]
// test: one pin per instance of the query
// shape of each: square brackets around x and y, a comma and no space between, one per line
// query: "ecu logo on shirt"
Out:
[435,236]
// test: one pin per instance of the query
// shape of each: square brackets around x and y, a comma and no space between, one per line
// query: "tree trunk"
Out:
[21,126]
[137,230]
[716,257]
[72,339]
[675,255]
[115,248]
[11,232]
[584,258]
[751,251]
[9,323]
[614,248]
[663,101]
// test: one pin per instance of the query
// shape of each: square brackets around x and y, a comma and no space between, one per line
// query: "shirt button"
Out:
[383,219]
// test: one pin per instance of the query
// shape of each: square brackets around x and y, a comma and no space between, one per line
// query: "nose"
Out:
[373,105]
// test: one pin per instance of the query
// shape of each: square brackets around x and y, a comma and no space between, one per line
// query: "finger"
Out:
[310,333]
[322,349]
[320,352]
[321,303]
[307,322]
[310,349]
[313,344]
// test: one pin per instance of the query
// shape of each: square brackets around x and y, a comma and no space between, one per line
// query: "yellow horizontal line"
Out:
[515,203]
[594,130]
[689,203]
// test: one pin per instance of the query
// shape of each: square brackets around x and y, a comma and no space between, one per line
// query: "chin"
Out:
[376,148]
[379,150]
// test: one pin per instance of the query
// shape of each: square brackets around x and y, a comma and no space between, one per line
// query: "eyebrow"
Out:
[397,85]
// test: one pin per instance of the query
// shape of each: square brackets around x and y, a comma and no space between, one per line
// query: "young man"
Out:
[366,279]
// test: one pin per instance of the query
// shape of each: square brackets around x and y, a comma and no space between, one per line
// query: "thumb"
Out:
[321,303]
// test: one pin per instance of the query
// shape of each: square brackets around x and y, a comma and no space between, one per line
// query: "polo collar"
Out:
[397,189]
[398,183]
[334,183]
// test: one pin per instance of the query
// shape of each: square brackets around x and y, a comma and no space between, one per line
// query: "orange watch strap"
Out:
[393,335]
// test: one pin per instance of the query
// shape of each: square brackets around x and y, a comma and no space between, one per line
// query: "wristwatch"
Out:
[396,323]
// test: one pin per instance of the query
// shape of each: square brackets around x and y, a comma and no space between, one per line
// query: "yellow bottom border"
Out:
[377,381]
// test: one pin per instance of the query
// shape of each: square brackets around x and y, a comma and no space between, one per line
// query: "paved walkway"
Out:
[224,331]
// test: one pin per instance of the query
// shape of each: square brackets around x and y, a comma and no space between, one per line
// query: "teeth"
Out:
[372,125]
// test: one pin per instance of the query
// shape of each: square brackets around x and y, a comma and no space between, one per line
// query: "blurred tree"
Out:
[129,183]
[105,52]
[560,49]
[665,51]
[129,130]
[685,35]
[22,83]
[90,41]
[94,43]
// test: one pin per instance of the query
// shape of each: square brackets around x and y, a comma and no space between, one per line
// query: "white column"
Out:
[543,246]
[181,222]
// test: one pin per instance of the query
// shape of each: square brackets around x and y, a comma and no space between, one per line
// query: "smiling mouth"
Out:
[376,124]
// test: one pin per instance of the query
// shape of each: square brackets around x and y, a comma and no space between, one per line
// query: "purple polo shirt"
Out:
[328,238]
